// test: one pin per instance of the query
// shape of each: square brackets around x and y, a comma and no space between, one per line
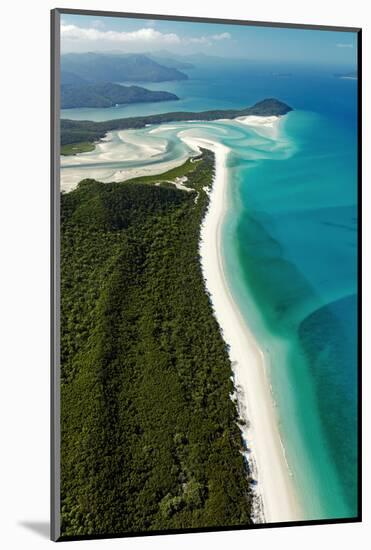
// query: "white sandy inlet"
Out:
[267,126]
[118,157]
[123,154]
[275,495]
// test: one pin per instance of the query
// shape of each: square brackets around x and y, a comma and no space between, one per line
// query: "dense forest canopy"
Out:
[149,436]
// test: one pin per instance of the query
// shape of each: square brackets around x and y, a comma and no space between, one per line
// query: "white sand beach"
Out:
[267,126]
[118,157]
[123,154]
[275,493]
[71,178]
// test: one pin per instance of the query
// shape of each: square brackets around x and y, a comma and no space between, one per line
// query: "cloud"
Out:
[148,34]
[198,40]
[98,24]
[341,45]
[221,36]
[207,39]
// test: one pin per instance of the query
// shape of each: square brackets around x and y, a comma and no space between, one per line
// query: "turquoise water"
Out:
[292,233]
[290,249]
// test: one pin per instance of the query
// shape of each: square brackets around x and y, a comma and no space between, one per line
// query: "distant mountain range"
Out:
[200,59]
[172,62]
[115,67]
[77,92]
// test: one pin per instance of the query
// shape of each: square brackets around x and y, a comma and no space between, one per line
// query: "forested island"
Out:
[76,131]
[149,437]
[108,94]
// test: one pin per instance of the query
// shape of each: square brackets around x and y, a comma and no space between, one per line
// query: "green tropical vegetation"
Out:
[149,435]
[75,148]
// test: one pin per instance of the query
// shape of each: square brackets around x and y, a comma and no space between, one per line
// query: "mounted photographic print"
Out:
[205,289]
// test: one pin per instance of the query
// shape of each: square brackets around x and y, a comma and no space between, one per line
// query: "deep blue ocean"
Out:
[290,248]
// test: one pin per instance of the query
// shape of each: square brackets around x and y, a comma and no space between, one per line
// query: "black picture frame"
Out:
[55,269]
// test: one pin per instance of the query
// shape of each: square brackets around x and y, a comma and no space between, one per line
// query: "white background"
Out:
[24,270]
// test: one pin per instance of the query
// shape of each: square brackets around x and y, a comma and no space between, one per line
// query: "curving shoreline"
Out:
[275,495]
[276,499]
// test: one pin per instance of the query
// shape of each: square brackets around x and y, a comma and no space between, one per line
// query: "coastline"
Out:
[275,497]
[103,163]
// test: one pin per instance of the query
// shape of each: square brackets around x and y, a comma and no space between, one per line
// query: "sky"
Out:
[83,33]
